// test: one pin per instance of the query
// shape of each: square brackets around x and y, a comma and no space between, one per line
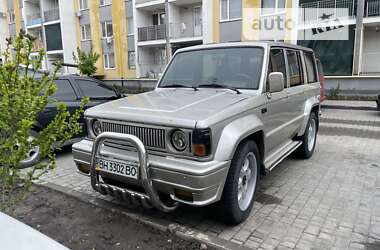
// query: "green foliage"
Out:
[334,93]
[86,62]
[22,98]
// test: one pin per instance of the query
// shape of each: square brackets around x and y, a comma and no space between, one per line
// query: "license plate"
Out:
[123,168]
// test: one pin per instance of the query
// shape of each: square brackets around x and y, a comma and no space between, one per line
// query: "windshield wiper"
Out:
[221,86]
[179,86]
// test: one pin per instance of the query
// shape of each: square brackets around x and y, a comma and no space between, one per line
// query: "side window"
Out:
[310,67]
[65,91]
[277,63]
[94,90]
[295,68]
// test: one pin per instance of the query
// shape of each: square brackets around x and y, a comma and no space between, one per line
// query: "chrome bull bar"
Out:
[151,196]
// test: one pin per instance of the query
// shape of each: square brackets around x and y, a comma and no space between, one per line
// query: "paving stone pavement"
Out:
[331,201]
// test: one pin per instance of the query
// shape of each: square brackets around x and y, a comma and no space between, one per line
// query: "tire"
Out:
[309,138]
[33,156]
[229,208]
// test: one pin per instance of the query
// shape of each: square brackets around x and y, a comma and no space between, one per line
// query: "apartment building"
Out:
[136,38]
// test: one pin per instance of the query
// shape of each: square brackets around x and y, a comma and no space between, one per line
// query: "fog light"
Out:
[83,168]
[184,195]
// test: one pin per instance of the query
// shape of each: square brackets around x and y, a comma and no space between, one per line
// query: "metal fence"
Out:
[154,32]
[51,15]
[312,11]
[373,8]
[180,30]
[151,69]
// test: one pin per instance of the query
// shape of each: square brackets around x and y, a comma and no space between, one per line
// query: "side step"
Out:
[280,154]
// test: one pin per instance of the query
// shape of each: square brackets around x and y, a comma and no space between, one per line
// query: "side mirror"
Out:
[275,82]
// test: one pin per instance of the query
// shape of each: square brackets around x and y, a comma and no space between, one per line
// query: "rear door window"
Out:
[94,89]
[295,68]
[310,67]
[65,91]
[277,63]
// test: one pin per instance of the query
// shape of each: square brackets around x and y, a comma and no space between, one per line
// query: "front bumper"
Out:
[204,181]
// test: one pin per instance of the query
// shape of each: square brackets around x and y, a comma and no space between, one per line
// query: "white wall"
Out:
[207,21]
[370,51]
[4,32]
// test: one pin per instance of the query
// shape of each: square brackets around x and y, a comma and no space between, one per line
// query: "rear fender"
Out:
[309,105]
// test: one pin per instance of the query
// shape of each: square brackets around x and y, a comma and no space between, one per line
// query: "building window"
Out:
[85,32]
[83,4]
[12,16]
[272,6]
[230,9]
[130,25]
[105,2]
[107,29]
[131,60]
[109,61]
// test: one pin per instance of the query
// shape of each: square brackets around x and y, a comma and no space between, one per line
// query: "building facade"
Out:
[136,38]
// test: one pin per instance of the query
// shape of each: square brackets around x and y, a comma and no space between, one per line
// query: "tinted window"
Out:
[233,67]
[65,91]
[295,68]
[310,67]
[93,89]
[277,63]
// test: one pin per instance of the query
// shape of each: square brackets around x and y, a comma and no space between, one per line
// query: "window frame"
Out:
[228,19]
[106,58]
[11,17]
[277,10]
[105,3]
[300,65]
[81,5]
[105,27]
[286,76]
[131,65]
[87,36]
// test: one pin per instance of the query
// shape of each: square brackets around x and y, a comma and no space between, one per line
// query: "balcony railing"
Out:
[312,11]
[142,1]
[37,45]
[373,8]
[33,19]
[181,30]
[149,33]
[151,69]
[51,15]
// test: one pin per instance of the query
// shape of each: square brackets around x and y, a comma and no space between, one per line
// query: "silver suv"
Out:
[220,117]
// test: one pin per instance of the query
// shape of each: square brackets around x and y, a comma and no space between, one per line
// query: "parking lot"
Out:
[331,201]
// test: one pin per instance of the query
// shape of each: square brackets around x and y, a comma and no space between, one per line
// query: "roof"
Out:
[243,44]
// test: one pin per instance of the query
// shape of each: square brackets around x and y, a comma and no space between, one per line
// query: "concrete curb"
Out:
[364,108]
[160,224]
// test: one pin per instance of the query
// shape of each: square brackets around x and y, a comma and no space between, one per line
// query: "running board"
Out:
[279,155]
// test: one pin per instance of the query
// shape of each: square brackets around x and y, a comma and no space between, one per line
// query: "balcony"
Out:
[51,15]
[372,8]
[150,33]
[33,19]
[184,30]
[312,11]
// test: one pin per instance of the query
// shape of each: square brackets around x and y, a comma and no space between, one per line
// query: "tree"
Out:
[86,62]
[23,96]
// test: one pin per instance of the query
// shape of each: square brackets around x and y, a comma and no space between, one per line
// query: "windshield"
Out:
[229,67]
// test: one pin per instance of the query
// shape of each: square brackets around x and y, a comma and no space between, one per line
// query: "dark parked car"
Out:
[71,90]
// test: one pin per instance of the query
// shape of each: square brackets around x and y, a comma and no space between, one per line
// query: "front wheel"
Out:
[241,184]
[309,138]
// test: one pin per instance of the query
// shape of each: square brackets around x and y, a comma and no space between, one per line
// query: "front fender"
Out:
[309,105]
[234,133]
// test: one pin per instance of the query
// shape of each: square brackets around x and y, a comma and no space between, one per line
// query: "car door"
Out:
[296,90]
[277,113]
[65,93]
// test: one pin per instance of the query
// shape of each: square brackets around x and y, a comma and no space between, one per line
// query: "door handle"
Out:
[264,110]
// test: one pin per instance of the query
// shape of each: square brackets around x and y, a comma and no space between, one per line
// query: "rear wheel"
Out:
[241,184]
[33,155]
[309,138]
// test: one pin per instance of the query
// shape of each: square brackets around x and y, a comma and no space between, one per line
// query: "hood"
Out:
[179,107]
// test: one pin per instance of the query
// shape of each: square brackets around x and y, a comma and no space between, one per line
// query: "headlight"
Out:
[96,127]
[179,140]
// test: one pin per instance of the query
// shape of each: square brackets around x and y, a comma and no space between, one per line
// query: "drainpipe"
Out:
[358,44]
[167,39]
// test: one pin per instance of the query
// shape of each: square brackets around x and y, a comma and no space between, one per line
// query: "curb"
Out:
[364,108]
[181,232]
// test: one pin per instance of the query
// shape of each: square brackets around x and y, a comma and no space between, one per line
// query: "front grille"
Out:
[151,137]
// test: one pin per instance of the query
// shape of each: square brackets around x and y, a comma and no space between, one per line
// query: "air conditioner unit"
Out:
[79,14]
[3,15]
[109,40]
